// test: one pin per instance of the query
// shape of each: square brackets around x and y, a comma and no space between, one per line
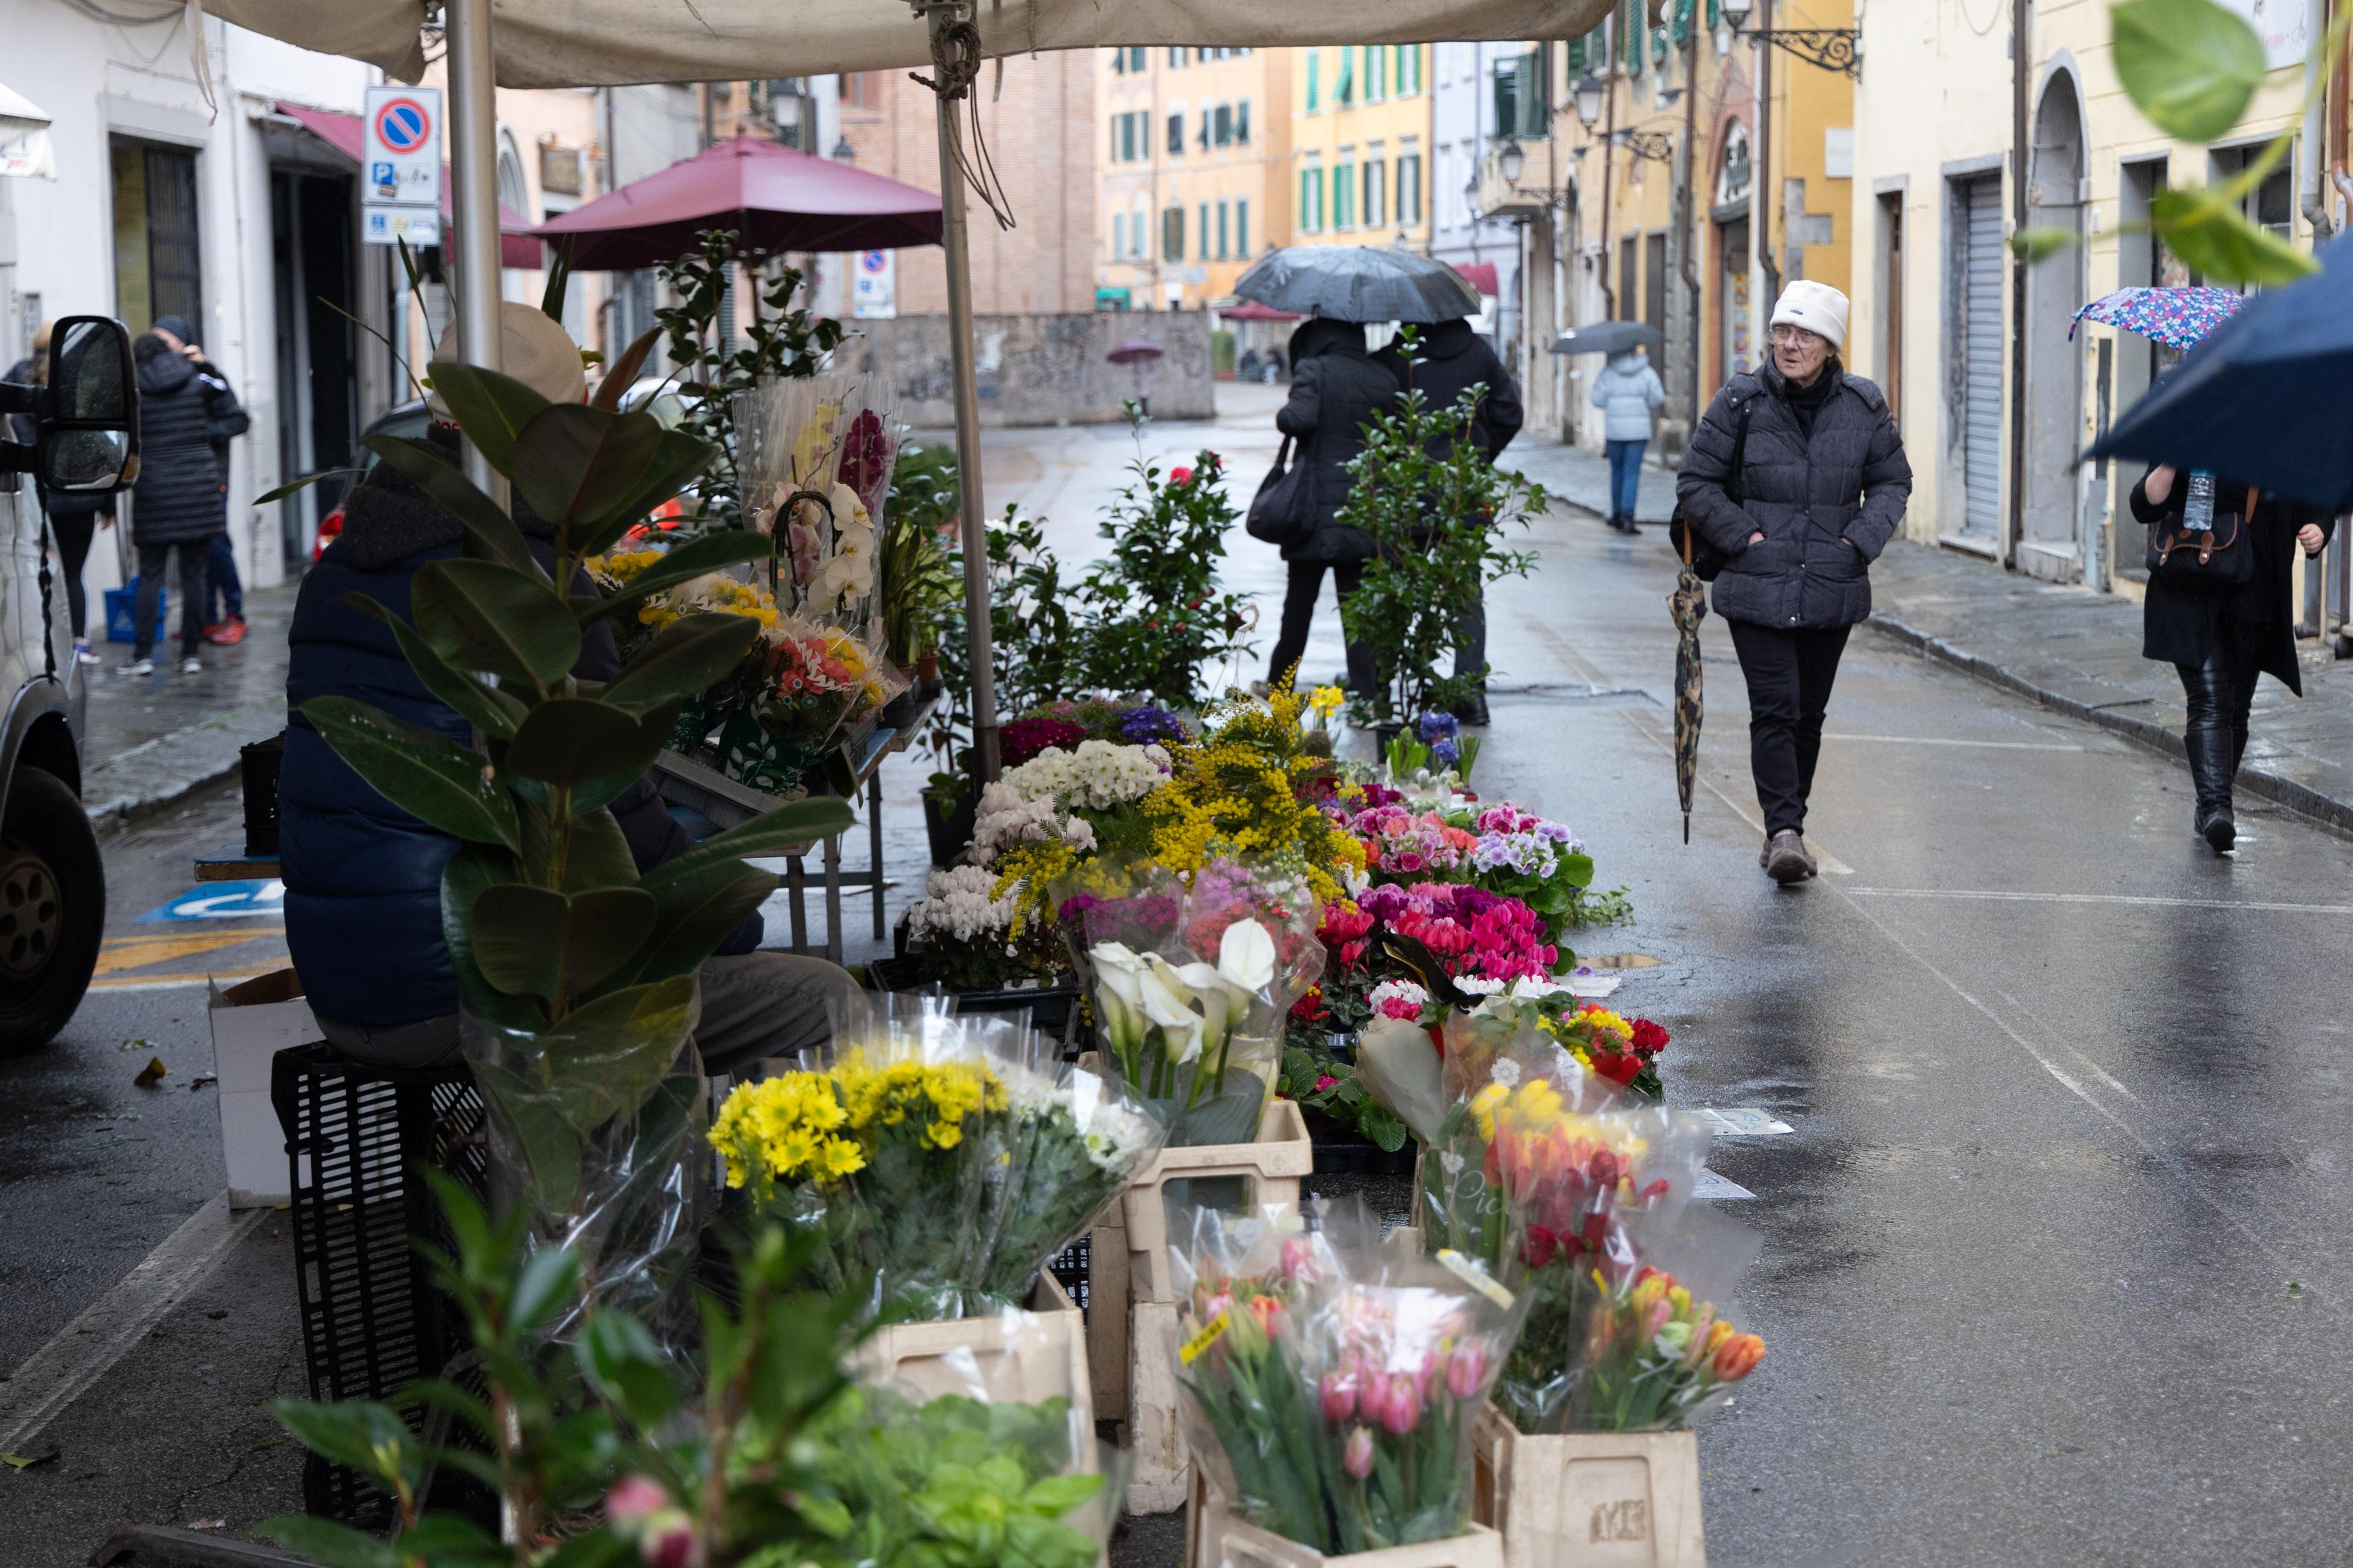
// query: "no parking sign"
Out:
[403,151]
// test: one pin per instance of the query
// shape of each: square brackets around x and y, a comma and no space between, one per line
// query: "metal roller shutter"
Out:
[1981,353]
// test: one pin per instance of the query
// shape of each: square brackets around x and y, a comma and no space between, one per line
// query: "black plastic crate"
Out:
[373,1320]
[258,767]
[1070,1267]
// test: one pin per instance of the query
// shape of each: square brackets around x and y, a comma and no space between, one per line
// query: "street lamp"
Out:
[1510,161]
[1736,12]
[1589,92]
[843,152]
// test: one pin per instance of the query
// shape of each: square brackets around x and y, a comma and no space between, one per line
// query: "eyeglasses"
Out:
[1793,336]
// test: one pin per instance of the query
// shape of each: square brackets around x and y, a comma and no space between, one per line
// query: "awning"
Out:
[611,43]
[25,150]
[777,198]
[1481,276]
[346,135]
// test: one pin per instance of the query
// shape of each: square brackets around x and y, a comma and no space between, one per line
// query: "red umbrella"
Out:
[777,198]
[1252,310]
[1134,349]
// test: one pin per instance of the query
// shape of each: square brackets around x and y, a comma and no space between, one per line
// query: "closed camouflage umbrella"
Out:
[1689,603]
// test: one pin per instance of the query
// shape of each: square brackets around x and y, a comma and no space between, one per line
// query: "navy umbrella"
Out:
[2262,400]
[1359,283]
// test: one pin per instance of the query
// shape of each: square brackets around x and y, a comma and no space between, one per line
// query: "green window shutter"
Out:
[1576,56]
[1314,63]
[1241,229]
[1682,20]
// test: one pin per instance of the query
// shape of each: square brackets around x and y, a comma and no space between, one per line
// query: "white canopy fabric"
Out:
[25,150]
[613,43]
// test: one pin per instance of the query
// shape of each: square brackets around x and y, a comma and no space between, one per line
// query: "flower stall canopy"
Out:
[608,43]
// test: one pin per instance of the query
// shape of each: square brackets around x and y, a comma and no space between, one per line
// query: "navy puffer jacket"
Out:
[362,876]
[186,415]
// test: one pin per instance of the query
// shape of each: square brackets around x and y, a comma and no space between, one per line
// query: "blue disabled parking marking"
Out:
[224,901]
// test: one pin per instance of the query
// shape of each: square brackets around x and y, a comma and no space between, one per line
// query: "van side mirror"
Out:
[86,417]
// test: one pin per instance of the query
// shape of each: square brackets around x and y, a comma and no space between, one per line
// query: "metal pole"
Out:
[954,238]
[474,199]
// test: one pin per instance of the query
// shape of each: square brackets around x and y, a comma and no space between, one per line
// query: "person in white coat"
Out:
[1627,391]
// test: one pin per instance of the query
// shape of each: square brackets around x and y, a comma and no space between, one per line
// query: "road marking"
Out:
[62,1371]
[121,953]
[1831,864]
[2129,900]
[1711,1187]
[1938,740]
[180,982]
[1744,1122]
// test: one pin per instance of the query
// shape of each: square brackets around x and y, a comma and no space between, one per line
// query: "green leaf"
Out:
[550,1145]
[574,463]
[2189,64]
[463,877]
[678,458]
[489,710]
[598,1549]
[327,1543]
[770,833]
[292,487]
[480,614]
[368,1437]
[1576,869]
[534,942]
[599,855]
[453,1540]
[622,373]
[619,1357]
[568,739]
[697,908]
[431,777]
[2038,244]
[541,1287]
[607,1055]
[2221,245]
[689,655]
[684,563]
[491,408]
[489,528]
[654,731]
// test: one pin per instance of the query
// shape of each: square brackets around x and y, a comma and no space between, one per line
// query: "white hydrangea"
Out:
[961,907]
[1099,775]
[1008,815]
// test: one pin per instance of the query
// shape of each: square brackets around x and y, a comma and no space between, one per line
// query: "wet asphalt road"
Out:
[2053,1269]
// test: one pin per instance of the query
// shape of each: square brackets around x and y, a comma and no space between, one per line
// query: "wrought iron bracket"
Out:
[1832,49]
[1659,146]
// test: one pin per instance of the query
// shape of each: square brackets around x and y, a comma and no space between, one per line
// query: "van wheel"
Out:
[52,910]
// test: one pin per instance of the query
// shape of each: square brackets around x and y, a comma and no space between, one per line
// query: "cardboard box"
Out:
[1018,1357]
[1589,1500]
[253,1021]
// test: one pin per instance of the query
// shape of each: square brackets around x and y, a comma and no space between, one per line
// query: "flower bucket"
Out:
[1598,1499]
[1222,1540]
[778,764]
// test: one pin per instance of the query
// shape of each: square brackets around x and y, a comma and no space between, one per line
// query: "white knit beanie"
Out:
[1817,306]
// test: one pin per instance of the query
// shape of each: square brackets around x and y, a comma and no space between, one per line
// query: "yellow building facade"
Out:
[1360,138]
[1191,156]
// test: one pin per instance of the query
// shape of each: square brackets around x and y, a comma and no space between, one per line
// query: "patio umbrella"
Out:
[2261,401]
[1689,604]
[1606,338]
[2178,318]
[1140,356]
[1359,283]
[777,198]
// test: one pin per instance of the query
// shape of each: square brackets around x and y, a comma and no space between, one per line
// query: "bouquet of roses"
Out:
[1332,1384]
[1191,979]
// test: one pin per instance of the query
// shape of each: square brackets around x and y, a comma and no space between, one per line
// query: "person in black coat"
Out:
[179,501]
[2223,639]
[74,519]
[1824,483]
[1336,389]
[1449,359]
[222,585]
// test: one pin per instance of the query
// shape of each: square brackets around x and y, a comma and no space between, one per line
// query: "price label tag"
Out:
[1470,1273]
[1209,1334]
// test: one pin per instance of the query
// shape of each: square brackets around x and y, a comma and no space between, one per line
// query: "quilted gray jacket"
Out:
[1827,505]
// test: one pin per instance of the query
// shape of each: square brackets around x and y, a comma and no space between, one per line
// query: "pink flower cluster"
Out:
[1361,1391]
[1404,843]
[1472,931]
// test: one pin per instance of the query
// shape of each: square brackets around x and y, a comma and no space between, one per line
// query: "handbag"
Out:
[2210,558]
[1282,513]
[1704,559]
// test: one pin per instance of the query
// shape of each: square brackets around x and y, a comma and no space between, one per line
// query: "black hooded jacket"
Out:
[186,416]
[1452,360]
[1336,389]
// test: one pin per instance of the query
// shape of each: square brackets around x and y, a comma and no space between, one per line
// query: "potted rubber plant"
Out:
[577,974]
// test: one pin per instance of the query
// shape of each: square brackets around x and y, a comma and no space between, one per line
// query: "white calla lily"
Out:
[1220,1003]
[1246,955]
[1168,1002]
[1117,966]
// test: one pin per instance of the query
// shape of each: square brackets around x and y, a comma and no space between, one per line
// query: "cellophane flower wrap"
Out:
[1536,1171]
[1331,1383]
[1192,977]
[1072,1140]
[1657,1351]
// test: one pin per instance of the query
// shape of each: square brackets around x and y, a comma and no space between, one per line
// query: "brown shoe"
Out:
[1786,859]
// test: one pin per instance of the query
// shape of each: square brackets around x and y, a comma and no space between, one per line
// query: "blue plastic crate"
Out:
[122,612]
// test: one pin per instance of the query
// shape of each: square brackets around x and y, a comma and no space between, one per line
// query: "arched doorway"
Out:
[2050,532]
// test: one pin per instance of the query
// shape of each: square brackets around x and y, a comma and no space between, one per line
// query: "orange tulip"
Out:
[1738,1357]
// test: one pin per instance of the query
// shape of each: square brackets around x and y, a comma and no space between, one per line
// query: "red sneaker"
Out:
[228,632]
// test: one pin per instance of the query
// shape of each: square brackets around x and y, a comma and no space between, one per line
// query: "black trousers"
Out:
[1305,583]
[2219,693]
[1789,672]
[192,553]
[72,530]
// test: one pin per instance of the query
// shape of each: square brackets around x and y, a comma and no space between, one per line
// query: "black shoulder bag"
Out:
[1707,561]
[2220,557]
[1281,513]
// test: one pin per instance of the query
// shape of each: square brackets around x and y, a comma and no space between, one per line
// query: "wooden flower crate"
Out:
[1023,1358]
[1589,1500]
[1265,1172]
[1221,1539]
[1160,1462]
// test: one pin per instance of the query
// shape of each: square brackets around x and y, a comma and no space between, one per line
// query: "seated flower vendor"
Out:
[363,877]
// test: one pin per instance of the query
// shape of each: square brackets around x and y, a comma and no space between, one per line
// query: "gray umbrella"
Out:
[1606,338]
[1359,283]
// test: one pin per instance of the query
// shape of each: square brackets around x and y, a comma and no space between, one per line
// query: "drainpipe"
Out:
[1686,182]
[2310,148]
[1609,147]
[1760,184]
[2021,38]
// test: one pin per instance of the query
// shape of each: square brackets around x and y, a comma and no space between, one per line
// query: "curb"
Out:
[2255,781]
[152,778]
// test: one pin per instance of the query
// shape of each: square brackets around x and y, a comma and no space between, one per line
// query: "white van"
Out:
[52,881]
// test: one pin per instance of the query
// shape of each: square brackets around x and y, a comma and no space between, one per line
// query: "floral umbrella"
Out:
[1689,603]
[2178,318]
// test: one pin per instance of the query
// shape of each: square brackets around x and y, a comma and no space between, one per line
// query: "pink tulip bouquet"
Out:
[1332,1384]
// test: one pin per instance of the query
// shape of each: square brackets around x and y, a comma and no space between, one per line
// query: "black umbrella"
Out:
[1359,283]
[2262,400]
[1606,338]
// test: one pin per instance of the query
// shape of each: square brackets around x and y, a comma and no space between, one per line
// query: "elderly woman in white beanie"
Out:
[1797,479]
